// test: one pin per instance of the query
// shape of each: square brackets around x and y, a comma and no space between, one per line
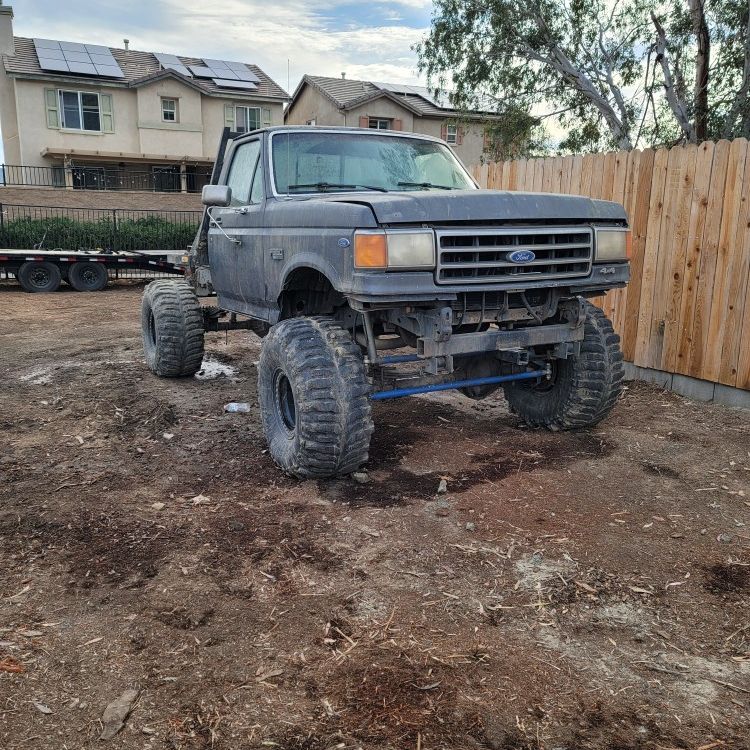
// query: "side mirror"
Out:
[216,195]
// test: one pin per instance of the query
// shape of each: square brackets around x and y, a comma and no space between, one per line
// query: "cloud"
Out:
[321,37]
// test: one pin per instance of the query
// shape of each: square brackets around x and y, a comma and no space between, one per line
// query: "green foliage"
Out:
[585,74]
[149,233]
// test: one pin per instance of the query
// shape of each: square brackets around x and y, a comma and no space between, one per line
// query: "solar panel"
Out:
[404,89]
[230,83]
[71,57]
[172,62]
[201,71]
[49,43]
[59,66]
[73,46]
[76,56]
[85,68]
[225,70]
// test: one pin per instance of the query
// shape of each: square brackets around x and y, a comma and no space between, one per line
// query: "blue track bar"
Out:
[400,392]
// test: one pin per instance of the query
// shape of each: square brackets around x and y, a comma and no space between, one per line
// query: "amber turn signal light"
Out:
[370,251]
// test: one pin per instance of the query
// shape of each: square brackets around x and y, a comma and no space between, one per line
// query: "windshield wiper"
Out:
[324,186]
[426,185]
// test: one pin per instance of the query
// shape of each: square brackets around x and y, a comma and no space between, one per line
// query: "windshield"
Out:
[316,162]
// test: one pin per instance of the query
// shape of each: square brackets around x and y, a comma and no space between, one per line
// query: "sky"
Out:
[369,39]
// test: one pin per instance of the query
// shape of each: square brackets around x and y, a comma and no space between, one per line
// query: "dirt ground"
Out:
[571,590]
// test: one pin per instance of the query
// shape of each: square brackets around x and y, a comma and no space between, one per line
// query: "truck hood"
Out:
[477,206]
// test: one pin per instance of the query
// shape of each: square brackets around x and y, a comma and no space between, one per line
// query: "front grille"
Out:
[482,256]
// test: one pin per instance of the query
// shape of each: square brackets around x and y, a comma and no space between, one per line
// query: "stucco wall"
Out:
[36,136]
[385,108]
[312,105]
[471,149]
[138,127]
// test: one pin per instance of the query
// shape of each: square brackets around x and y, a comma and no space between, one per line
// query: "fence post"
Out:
[2,217]
[114,230]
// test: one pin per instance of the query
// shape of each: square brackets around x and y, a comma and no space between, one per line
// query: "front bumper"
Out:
[499,341]
[409,287]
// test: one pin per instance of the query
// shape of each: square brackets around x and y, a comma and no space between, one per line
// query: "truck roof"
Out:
[343,129]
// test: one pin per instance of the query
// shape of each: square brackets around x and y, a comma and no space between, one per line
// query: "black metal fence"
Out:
[27,227]
[160,179]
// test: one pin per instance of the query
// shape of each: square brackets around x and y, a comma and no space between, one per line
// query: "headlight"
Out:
[613,245]
[394,249]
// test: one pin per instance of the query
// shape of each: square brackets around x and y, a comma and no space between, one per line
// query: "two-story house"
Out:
[385,106]
[96,114]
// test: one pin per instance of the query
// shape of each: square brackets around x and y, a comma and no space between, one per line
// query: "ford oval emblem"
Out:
[521,256]
[344,242]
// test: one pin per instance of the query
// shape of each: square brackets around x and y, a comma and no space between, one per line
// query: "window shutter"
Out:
[108,123]
[459,136]
[229,116]
[398,125]
[364,121]
[444,131]
[52,107]
[266,117]
[486,141]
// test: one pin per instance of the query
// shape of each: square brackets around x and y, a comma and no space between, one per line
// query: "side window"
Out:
[241,172]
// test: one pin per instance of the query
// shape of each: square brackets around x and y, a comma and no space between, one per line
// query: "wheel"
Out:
[313,393]
[583,389]
[172,329]
[86,276]
[39,276]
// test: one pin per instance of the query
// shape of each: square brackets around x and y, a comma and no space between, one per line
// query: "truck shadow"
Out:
[417,443]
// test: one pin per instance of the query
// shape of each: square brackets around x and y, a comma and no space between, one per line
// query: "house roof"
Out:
[347,93]
[139,68]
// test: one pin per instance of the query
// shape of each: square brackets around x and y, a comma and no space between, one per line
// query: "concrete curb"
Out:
[699,390]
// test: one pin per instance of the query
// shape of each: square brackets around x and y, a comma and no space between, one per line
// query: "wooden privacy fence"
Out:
[686,308]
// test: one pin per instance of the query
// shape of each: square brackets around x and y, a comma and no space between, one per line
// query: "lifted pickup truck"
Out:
[374,268]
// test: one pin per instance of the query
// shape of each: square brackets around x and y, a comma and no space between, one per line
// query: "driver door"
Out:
[236,254]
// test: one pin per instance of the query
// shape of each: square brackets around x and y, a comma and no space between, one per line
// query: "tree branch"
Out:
[676,104]
[740,102]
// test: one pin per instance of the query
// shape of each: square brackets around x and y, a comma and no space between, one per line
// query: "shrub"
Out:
[107,233]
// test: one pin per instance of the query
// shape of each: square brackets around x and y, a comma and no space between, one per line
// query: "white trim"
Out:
[174,111]
[63,127]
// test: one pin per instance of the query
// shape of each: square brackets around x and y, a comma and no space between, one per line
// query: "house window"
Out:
[379,123]
[246,119]
[451,134]
[169,110]
[80,111]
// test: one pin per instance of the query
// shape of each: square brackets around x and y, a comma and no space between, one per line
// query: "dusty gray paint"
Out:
[281,234]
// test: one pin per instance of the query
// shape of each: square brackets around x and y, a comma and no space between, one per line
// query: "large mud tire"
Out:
[313,393]
[172,329]
[39,276]
[583,389]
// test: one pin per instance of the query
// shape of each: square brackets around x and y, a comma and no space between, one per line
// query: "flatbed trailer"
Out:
[85,270]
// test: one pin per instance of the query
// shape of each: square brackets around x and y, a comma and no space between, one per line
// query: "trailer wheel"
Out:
[86,276]
[39,276]
[313,392]
[583,389]
[172,329]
